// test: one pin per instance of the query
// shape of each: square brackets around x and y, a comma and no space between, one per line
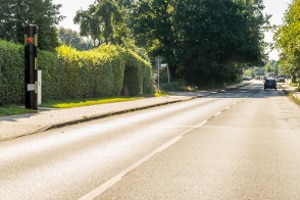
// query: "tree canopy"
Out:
[72,38]
[16,14]
[200,38]
[288,40]
[100,21]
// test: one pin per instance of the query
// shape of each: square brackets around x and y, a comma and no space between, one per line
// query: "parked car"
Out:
[246,79]
[270,83]
[281,79]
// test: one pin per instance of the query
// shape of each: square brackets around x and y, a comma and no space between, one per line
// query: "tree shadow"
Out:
[14,118]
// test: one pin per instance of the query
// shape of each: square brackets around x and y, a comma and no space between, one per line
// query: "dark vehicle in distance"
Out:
[270,83]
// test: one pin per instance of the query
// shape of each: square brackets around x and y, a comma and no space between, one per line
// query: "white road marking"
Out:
[217,114]
[227,108]
[202,124]
[102,188]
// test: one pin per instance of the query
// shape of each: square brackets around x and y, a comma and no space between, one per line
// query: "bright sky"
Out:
[69,9]
[276,8]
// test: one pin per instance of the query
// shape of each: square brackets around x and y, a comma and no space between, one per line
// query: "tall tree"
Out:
[16,14]
[100,21]
[288,39]
[200,38]
[89,24]
[110,15]
[72,38]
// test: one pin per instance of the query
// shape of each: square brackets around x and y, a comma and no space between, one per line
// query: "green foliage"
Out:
[16,14]
[103,71]
[273,66]
[14,110]
[52,75]
[11,73]
[200,39]
[288,41]
[100,21]
[72,74]
[138,74]
[269,68]
[86,102]
[72,38]
[259,71]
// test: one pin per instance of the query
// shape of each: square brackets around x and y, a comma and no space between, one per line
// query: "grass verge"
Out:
[14,110]
[86,102]
[17,110]
[293,98]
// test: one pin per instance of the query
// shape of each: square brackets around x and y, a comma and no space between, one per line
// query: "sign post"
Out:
[158,60]
[31,75]
[168,71]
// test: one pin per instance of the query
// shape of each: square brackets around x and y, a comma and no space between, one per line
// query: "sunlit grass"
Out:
[296,100]
[16,110]
[90,102]
[86,102]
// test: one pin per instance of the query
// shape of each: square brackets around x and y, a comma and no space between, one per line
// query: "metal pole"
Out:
[158,63]
[168,72]
[158,60]
[31,85]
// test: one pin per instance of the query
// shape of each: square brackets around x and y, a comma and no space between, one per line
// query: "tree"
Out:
[201,38]
[89,24]
[100,21]
[109,13]
[72,38]
[269,68]
[288,40]
[16,14]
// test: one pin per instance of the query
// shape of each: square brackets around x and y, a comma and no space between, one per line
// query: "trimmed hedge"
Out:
[68,73]
[11,73]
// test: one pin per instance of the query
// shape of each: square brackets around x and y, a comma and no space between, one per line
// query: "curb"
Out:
[86,119]
[95,116]
[59,125]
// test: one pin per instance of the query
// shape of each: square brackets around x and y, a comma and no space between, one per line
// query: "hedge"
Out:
[68,73]
[11,73]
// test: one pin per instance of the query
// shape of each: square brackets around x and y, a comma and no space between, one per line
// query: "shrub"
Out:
[11,73]
[68,73]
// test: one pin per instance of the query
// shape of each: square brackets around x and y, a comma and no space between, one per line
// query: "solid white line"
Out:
[202,124]
[227,108]
[102,188]
[217,114]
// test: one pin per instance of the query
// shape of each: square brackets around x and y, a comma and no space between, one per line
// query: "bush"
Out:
[11,73]
[68,73]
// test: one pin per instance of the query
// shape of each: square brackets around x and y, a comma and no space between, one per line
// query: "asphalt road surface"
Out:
[240,144]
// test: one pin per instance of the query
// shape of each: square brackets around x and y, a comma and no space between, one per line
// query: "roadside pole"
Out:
[158,60]
[31,74]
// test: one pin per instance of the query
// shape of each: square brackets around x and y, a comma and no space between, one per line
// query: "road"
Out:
[239,144]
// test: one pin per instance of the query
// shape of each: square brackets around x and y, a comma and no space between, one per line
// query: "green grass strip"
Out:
[14,110]
[80,103]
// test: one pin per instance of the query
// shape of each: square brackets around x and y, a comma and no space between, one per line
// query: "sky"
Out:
[276,8]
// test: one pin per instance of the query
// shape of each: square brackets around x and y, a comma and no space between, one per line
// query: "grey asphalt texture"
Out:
[45,119]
